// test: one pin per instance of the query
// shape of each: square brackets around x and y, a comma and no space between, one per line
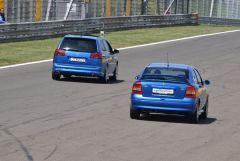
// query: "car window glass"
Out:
[195,78]
[167,74]
[110,47]
[166,71]
[106,46]
[103,46]
[79,44]
[199,79]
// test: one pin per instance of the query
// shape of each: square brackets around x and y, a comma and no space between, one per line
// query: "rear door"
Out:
[110,57]
[201,89]
[78,52]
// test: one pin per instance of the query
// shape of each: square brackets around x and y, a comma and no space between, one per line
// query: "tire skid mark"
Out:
[22,146]
[75,121]
[87,103]
[49,155]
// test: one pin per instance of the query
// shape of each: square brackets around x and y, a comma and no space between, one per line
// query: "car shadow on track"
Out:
[89,80]
[174,119]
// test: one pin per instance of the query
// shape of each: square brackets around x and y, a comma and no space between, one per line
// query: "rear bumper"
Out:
[78,70]
[185,105]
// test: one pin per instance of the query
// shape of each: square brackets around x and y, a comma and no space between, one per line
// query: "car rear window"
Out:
[79,44]
[168,74]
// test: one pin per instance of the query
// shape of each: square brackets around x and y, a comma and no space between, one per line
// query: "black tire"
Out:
[67,75]
[115,74]
[145,114]
[204,115]
[56,76]
[134,114]
[104,79]
[194,117]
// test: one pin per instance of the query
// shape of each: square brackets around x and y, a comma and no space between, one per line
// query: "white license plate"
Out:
[82,60]
[162,91]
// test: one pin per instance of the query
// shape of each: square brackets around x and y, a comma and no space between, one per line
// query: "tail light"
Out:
[96,55]
[137,88]
[59,52]
[190,92]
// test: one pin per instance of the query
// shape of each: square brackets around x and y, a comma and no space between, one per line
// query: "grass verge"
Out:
[21,52]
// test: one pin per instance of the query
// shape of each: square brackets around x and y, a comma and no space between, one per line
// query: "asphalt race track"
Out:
[82,120]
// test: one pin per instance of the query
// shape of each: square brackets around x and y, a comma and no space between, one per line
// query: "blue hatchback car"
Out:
[171,89]
[85,56]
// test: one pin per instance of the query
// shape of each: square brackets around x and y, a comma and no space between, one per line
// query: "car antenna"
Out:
[167,61]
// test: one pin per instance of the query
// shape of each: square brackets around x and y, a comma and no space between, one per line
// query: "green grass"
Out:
[20,52]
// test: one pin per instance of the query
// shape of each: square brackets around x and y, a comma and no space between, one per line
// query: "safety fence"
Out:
[39,30]
[17,11]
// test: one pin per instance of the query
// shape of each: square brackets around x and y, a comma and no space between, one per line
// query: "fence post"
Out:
[103,9]
[38,10]
[116,8]
[48,9]
[211,10]
[95,9]
[144,7]
[2,4]
[68,10]
[127,7]
[123,7]
[83,10]
[108,8]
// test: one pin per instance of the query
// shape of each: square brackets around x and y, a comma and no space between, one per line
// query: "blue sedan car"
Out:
[85,56]
[170,88]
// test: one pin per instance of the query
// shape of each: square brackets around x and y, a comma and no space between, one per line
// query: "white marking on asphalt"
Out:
[180,39]
[17,65]
[131,47]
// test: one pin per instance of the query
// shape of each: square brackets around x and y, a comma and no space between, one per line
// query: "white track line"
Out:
[131,47]
[18,65]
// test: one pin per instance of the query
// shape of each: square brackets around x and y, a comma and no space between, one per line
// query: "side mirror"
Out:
[137,77]
[207,82]
[115,51]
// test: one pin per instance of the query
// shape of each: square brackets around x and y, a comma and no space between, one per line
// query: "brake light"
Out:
[59,52]
[96,55]
[190,92]
[137,88]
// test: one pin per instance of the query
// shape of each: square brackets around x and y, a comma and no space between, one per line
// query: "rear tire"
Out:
[56,76]
[104,79]
[115,74]
[67,75]
[134,114]
[194,117]
[204,115]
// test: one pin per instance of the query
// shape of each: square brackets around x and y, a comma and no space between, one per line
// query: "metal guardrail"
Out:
[40,30]
[219,21]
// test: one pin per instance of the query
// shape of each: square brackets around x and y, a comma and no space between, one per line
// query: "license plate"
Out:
[82,60]
[162,91]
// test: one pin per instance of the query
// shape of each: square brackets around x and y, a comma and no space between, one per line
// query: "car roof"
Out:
[170,65]
[82,36]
